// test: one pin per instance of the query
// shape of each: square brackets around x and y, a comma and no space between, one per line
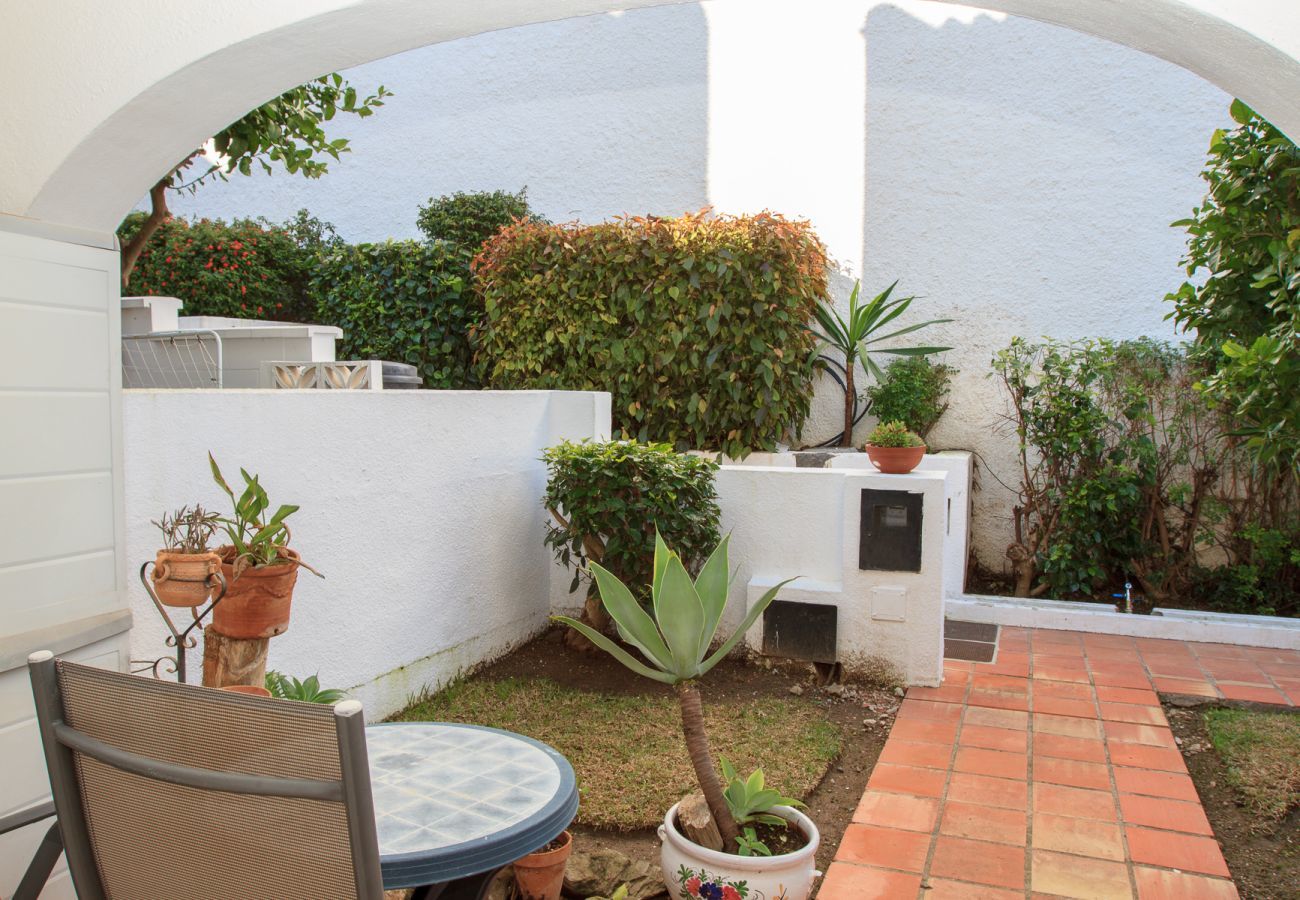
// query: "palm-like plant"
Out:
[854,338]
[675,643]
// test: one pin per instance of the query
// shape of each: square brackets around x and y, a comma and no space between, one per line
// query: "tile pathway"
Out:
[1050,772]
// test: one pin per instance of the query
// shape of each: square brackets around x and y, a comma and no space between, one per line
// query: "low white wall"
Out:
[789,522]
[422,509]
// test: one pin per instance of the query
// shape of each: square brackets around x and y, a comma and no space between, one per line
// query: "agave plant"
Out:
[675,643]
[853,338]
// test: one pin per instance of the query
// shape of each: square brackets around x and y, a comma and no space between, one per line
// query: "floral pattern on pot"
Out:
[698,884]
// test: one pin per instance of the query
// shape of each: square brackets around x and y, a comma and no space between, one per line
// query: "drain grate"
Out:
[969,641]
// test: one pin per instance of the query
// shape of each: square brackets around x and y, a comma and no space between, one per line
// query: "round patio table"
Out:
[455,803]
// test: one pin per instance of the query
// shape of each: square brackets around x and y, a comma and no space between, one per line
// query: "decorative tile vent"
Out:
[363,375]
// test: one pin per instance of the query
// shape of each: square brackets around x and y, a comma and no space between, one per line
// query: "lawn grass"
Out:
[628,751]
[1262,753]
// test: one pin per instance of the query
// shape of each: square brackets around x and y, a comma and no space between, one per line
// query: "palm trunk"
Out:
[850,401]
[697,745]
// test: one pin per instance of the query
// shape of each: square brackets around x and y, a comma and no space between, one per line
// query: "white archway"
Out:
[168,84]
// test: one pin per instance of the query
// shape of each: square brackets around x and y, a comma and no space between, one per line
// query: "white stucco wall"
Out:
[421,508]
[1019,177]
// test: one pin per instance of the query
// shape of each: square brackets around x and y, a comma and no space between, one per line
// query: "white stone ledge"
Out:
[1169,624]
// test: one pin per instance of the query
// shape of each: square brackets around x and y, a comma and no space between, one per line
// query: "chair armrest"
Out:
[26,816]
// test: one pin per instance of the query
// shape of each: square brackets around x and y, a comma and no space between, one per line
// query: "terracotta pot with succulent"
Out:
[184,568]
[894,449]
[675,639]
[260,569]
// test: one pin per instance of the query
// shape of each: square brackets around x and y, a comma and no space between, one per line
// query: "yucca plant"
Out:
[854,337]
[675,643]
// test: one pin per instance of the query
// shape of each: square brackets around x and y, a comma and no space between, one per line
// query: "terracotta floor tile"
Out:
[1171,815]
[1061,706]
[927,711]
[997,763]
[889,848]
[1006,793]
[1075,876]
[1084,837]
[957,672]
[1013,740]
[1072,773]
[1252,693]
[909,753]
[1163,669]
[998,700]
[945,693]
[1110,694]
[943,889]
[1130,733]
[996,718]
[846,881]
[907,780]
[1172,785]
[1222,651]
[1161,884]
[1196,688]
[897,811]
[986,823]
[1062,747]
[1121,676]
[1004,683]
[1066,690]
[1070,801]
[1139,714]
[1067,726]
[1143,757]
[1239,671]
[1000,865]
[924,731]
[1191,853]
[1077,674]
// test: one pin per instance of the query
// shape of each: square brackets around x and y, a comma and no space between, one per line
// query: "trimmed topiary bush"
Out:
[694,324]
[914,391]
[469,219]
[405,301]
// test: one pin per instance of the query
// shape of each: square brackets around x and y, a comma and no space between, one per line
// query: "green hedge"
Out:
[696,325]
[471,218]
[405,301]
[246,269]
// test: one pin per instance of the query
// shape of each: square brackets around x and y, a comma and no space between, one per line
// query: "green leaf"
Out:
[681,617]
[635,626]
[711,586]
[616,651]
[754,612]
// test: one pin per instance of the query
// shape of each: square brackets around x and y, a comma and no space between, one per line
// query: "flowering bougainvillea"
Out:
[245,269]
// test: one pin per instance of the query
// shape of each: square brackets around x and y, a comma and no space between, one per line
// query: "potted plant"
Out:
[540,874]
[260,569]
[674,639]
[894,448]
[184,567]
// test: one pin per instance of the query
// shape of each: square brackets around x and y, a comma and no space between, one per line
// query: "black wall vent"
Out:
[804,631]
[890,539]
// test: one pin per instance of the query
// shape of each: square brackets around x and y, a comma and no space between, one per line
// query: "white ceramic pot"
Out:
[693,873]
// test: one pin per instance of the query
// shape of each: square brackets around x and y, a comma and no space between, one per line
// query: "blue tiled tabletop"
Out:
[455,800]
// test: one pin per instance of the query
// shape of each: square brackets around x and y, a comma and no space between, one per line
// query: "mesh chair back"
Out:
[154,838]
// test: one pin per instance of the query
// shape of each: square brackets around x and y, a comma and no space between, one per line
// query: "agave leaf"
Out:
[728,770]
[755,783]
[634,624]
[660,561]
[754,612]
[616,651]
[711,585]
[681,617]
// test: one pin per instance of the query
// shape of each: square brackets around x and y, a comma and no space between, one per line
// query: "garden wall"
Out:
[421,508]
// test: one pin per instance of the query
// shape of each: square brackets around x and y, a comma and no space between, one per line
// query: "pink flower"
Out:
[730,893]
[693,886]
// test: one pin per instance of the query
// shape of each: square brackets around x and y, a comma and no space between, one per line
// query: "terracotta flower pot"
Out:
[181,579]
[250,689]
[256,604]
[540,876]
[895,460]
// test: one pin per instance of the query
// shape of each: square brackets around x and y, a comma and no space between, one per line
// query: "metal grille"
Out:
[172,359]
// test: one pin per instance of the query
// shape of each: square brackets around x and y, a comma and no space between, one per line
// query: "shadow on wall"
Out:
[597,116]
[1020,178]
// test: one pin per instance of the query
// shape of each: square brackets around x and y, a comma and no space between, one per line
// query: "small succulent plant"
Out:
[894,434]
[188,529]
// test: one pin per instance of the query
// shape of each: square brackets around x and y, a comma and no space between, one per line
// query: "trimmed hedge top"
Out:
[694,324]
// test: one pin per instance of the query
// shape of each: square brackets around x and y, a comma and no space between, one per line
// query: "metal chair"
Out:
[169,790]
